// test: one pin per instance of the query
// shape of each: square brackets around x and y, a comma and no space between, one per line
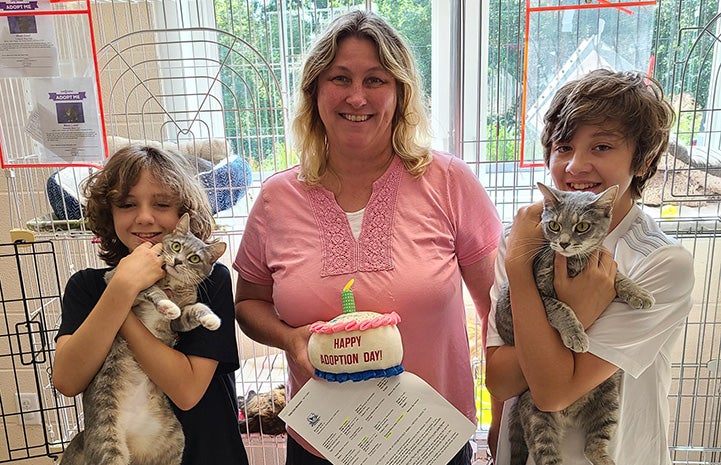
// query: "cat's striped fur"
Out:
[574,224]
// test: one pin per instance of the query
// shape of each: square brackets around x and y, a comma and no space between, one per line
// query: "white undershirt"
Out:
[355,219]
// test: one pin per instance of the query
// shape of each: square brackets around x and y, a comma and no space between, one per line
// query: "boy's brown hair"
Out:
[631,100]
[110,187]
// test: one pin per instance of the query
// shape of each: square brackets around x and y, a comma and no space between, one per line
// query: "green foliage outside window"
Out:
[682,65]
[256,129]
[682,52]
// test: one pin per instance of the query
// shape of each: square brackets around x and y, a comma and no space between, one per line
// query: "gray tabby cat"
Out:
[128,419]
[574,225]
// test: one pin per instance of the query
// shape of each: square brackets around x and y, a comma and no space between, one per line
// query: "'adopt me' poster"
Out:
[66,120]
[28,45]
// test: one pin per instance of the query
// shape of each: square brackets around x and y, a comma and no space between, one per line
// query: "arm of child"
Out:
[586,292]
[79,356]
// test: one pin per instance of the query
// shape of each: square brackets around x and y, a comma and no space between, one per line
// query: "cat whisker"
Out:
[532,254]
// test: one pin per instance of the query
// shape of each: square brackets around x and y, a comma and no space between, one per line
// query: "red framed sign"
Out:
[565,39]
[51,112]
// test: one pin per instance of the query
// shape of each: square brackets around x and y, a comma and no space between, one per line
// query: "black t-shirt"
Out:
[212,435]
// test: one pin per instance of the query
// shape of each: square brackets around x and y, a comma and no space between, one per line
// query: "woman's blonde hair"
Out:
[110,187]
[410,126]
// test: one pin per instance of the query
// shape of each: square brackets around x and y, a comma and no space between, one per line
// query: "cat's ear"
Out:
[216,249]
[183,224]
[549,194]
[606,198]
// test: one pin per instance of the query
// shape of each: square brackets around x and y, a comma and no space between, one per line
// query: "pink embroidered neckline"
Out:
[332,327]
[341,253]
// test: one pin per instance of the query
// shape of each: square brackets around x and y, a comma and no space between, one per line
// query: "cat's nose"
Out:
[177,262]
[564,245]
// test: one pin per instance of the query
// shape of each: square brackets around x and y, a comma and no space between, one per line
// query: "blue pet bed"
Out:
[225,184]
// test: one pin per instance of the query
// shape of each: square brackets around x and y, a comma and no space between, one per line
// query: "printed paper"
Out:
[66,120]
[27,42]
[399,420]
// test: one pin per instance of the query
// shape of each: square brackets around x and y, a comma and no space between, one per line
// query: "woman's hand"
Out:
[589,292]
[297,350]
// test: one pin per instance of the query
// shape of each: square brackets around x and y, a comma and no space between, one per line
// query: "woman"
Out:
[369,201]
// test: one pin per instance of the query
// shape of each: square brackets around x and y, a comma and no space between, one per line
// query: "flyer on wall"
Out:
[66,121]
[399,420]
[28,45]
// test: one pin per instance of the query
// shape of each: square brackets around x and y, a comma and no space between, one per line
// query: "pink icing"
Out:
[329,327]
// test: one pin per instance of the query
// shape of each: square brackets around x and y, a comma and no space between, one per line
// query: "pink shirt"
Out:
[415,234]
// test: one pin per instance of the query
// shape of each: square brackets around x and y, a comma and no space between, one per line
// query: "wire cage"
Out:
[214,80]
[34,419]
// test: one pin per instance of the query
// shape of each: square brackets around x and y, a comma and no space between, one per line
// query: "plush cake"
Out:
[356,345]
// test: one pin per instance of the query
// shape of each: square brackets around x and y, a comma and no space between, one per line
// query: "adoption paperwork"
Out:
[399,420]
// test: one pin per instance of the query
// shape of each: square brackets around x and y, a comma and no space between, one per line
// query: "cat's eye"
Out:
[553,226]
[175,246]
[194,259]
[583,226]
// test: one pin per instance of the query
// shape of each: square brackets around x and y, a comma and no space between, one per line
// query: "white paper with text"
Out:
[399,420]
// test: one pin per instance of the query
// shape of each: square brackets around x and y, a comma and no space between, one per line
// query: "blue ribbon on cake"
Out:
[359,375]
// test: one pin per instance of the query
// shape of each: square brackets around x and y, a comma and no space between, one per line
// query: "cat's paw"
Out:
[640,301]
[576,341]
[210,321]
[633,294]
[599,458]
[168,309]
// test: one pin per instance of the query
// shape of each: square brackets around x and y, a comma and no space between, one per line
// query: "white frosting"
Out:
[350,351]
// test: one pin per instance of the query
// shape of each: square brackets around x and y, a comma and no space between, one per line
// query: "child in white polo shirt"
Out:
[606,128]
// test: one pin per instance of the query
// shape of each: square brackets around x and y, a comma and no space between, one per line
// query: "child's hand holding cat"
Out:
[525,239]
[589,292]
[141,268]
